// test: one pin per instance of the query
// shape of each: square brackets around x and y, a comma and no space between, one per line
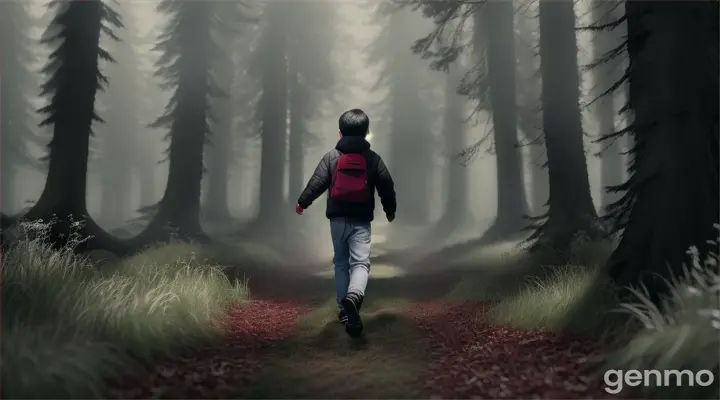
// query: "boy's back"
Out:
[378,178]
[351,172]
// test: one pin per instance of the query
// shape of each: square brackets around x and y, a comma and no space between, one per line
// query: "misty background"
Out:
[362,58]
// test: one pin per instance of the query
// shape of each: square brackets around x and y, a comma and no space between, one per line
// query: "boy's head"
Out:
[354,123]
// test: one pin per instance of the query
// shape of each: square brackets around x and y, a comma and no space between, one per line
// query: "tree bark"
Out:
[497,18]
[220,147]
[672,199]
[539,180]
[274,116]
[178,212]
[457,208]
[72,108]
[216,195]
[606,74]
[571,210]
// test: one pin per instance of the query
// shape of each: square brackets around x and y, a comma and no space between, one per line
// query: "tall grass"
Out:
[69,327]
[528,294]
[684,333]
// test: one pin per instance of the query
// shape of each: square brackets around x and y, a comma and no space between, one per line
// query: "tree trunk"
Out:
[497,18]
[530,123]
[216,195]
[220,147]
[296,179]
[539,178]
[178,212]
[274,117]
[179,209]
[571,211]
[606,74]
[672,197]
[457,208]
[72,110]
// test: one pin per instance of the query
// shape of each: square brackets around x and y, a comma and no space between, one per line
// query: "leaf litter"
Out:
[474,359]
[218,371]
[470,358]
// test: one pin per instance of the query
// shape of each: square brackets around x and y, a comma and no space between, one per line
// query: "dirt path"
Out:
[414,347]
[220,371]
[473,359]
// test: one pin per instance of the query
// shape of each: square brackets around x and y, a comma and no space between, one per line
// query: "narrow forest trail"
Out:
[287,343]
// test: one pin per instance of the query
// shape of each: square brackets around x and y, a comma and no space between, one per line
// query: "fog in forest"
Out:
[345,55]
[165,168]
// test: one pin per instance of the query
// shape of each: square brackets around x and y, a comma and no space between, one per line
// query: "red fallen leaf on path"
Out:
[473,359]
[221,370]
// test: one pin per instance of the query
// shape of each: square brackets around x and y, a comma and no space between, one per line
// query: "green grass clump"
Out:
[682,335]
[529,295]
[551,302]
[69,327]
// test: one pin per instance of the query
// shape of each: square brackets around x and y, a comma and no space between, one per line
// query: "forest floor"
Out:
[418,343]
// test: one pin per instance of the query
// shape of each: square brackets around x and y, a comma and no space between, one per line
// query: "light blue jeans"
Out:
[351,243]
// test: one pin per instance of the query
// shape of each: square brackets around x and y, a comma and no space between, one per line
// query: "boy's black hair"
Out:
[354,123]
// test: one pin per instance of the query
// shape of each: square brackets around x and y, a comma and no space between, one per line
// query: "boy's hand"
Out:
[298,209]
[390,217]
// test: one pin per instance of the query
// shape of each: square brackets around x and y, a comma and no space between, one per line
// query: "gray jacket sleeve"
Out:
[386,188]
[318,183]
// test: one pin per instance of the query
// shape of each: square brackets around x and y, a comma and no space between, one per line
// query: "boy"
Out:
[351,172]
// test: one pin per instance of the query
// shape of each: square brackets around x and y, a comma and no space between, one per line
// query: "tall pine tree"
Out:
[571,212]
[72,85]
[672,196]
[189,56]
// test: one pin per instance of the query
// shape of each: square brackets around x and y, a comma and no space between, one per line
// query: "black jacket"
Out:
[378,177]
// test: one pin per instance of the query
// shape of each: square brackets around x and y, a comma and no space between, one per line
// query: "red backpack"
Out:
[350,182]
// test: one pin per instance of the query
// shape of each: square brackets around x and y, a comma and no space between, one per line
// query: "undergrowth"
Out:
[684,334]
[529,295]
[70,327]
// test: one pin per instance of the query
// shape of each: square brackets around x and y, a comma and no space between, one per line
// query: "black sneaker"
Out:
[351,303]
[342,316]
